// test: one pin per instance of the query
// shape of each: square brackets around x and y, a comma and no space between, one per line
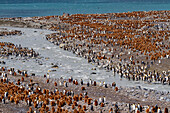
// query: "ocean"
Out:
[25,8]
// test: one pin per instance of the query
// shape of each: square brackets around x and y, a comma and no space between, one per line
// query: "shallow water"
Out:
[69,64]
[25,8]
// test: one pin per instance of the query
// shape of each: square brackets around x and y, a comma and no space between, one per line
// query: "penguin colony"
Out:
[4,32]
[10,49]
[127,46]
[41,100]
[125,43]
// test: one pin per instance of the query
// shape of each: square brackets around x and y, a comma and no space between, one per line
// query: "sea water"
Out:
[25,8]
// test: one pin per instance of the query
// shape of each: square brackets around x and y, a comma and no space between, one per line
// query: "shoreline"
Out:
[132,94]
